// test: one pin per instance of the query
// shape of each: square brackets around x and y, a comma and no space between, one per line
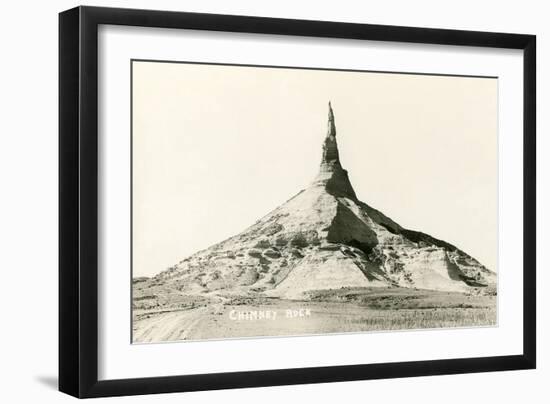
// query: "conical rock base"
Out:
[325,238]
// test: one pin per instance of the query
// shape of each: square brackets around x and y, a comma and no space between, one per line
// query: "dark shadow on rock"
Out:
[454,271]
[48,381]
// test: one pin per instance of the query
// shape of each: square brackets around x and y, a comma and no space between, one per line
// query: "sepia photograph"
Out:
[276,201]
[297,198]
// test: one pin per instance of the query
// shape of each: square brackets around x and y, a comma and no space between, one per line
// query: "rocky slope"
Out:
[324,238]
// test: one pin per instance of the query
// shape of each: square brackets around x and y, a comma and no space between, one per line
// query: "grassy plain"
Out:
[321,312]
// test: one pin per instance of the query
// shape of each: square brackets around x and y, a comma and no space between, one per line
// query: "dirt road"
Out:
[287,317]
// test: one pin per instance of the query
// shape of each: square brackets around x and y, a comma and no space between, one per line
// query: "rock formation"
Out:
[325,238]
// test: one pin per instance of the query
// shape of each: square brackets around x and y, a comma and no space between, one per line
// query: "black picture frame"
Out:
[78,201]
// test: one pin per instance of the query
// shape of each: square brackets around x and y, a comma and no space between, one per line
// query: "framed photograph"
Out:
[251,201]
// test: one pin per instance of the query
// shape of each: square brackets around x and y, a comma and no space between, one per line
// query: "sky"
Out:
[217,147]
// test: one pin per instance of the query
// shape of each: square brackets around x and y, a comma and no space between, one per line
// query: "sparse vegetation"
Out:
[272,253]
[385,320]
[299,241]
[255,253]
[333,311]
[263,244]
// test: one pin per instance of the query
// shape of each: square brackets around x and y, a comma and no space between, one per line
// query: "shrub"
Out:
[255,253]
[299,241]
[263,244]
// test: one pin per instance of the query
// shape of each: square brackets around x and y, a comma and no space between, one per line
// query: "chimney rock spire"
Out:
[331,125]
[330,147]
[331,174]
